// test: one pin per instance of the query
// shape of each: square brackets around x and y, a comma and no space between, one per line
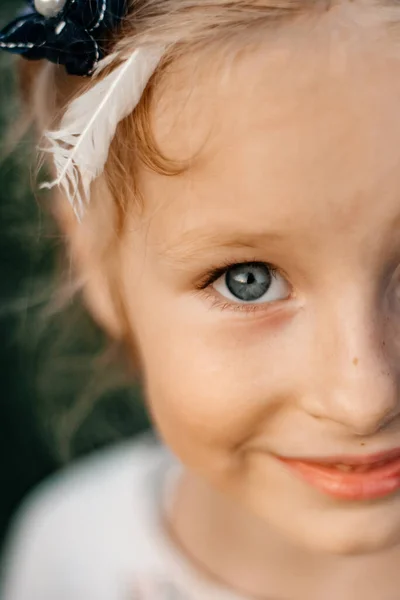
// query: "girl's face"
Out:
[263,285]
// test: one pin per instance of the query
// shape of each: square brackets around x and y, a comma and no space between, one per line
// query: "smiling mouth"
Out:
[352,478]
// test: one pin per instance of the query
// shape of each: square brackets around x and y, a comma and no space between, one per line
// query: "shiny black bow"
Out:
[76,37]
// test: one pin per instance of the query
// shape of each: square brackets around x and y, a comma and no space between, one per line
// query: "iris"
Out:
[248,282]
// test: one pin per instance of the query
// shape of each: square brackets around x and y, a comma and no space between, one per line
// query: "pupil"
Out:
[248,282]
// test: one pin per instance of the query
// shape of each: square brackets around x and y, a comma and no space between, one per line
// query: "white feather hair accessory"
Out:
[80,147]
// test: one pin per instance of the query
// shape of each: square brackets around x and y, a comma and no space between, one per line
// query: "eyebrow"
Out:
[194,243]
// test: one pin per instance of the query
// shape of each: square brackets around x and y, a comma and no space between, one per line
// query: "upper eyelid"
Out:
[214,274]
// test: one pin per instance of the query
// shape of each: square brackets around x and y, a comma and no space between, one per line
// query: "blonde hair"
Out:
[185,27]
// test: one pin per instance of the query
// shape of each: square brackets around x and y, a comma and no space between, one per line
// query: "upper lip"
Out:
[353,460]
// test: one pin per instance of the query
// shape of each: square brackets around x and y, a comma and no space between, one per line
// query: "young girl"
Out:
[233,174]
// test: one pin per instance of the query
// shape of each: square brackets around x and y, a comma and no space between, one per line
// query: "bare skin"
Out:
[299,169]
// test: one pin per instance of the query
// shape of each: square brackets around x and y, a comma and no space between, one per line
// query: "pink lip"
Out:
[380,478]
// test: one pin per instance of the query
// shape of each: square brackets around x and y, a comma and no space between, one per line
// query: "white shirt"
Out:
[96,532]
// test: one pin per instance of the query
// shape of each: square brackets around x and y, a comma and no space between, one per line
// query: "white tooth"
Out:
[345,468]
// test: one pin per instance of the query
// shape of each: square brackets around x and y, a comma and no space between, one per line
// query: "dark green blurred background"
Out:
[57,400]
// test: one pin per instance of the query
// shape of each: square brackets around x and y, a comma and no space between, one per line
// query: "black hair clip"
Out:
[72,33]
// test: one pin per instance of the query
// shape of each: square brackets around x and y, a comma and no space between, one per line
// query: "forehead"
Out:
[305,124]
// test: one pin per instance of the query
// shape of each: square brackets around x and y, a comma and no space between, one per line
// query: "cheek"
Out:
[199,392]
[210,384]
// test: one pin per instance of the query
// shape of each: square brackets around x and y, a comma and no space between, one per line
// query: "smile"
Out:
[352,478]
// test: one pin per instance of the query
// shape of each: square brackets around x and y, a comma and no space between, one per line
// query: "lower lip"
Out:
[375,483]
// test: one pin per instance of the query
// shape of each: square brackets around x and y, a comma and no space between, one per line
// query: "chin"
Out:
[321,524]
[351,529]
[352,545]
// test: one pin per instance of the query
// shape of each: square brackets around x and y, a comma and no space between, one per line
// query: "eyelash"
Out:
[215,273]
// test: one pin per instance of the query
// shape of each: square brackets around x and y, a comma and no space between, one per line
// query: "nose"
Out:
[358,367]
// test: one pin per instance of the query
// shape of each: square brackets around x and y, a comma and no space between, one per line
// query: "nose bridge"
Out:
[360,386]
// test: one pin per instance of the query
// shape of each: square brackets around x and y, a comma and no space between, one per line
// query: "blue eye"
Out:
[252,283]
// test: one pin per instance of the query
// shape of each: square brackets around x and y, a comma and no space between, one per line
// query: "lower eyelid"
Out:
[223,304]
